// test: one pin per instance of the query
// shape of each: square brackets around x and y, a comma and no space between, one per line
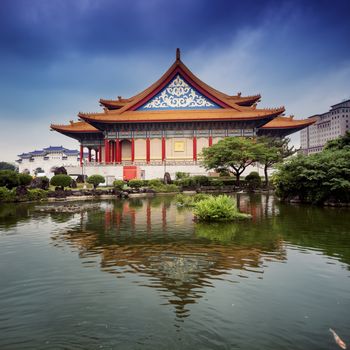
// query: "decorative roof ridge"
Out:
[279,122]
[178,67]
[244,97]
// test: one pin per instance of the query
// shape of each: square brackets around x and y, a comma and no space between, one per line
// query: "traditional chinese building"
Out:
[166,126]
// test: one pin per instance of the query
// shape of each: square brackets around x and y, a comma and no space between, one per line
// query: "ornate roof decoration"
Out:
[178,94]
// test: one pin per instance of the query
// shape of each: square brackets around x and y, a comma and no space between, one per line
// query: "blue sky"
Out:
[58,57]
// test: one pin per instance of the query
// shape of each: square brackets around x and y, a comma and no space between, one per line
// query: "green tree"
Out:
[9,179]
[233,154]
[7,166]
[24,179]
[61,181]
[95,180]
[339,143]
[316,178]
[273,151]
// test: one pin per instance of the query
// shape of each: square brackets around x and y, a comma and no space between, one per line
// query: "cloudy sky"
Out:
[58,57]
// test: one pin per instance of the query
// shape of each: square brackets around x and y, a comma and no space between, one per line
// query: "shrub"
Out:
[165,188]
[9,179]
[36,194]
[181,175]
[24,179]
[135,183]
[61,181]
[186,182]
[201,180]
[155,182]
[216,182]
[95,180]
[220,208]
[253,180]
[118,184]
[7,195]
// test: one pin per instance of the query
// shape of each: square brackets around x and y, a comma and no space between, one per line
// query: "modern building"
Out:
[328,126]
[44,162]
[166,126]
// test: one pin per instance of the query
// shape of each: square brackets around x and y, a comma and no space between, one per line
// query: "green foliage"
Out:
[201,180]
[9,179]
[220,208]
[24,179]
[135,183]
[253,180]
[217,182]
[61,180]
[186,182]
[183,200]
[165,188]
[233,154]
[95,180]
[7,166]
[118,184]
[155,182]
[181,175]
[316,178]
[273,150]
[223,172]
[36,194]
[342,142]
[7,195]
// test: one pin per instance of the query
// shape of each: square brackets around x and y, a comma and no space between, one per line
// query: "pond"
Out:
[141,274]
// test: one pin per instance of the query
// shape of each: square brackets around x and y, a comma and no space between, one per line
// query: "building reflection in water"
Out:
[168,251]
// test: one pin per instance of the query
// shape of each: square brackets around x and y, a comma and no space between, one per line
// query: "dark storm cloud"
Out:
[48,29]
[60,56]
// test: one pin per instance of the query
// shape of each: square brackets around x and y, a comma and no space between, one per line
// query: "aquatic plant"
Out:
[183,200]
[220,208]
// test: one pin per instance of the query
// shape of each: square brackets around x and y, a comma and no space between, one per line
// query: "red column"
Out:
[81,155]
[117,157]
[120,154]
[106,151]
[163,148]
[89,155]
[194,148]
[132,149]
[210,140]
[99,154]
[113,152]
[148,150]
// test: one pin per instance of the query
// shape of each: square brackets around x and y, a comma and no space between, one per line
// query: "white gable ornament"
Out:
[179,94]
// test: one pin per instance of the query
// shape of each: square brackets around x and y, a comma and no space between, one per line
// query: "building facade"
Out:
[328,126]
[166,126]
[44,162]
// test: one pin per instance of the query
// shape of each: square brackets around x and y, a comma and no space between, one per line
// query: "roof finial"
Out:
[178,54]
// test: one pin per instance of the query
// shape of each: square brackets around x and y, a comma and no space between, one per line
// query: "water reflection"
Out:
[167,251]
[158,245]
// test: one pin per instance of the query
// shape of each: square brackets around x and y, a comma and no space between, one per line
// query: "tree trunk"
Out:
[237,179]
[266,176]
